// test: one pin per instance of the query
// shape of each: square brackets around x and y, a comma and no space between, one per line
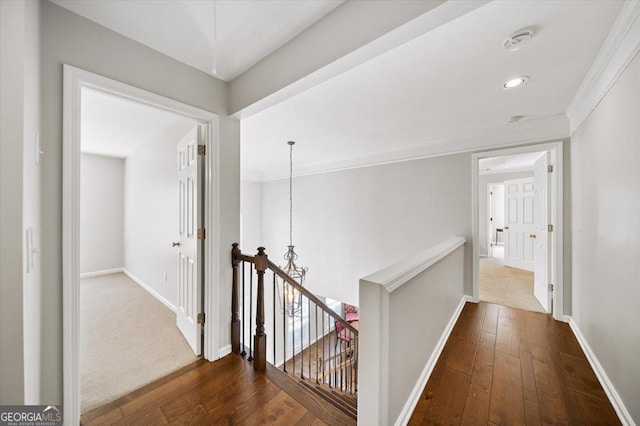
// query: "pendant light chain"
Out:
[291,193]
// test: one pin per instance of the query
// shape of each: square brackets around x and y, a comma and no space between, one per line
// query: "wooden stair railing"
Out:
[305,345]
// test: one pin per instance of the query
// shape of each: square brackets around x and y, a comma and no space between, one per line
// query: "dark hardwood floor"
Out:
[505,366]
[224,392]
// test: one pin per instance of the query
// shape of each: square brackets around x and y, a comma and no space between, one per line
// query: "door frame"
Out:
[75,80]
[489,216]
[556,217]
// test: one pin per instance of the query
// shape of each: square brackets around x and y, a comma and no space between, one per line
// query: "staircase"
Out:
[311,352]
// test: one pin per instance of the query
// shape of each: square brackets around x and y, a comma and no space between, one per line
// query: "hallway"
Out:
[504,366]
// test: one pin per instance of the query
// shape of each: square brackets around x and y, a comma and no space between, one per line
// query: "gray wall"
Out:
[251,213]
[71,39]
[351,223]
[20,288]
[101,213]
[483,183]
[606,234]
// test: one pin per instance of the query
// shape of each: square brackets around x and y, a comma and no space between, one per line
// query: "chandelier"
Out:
[290,298]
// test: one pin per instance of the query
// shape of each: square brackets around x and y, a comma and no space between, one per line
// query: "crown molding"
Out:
[524,132]
[618,50]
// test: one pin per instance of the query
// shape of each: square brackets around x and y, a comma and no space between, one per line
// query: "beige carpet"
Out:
[507,286]
[128,339]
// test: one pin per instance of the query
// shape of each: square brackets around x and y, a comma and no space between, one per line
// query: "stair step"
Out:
[338,399]
[348,398]
[327,407]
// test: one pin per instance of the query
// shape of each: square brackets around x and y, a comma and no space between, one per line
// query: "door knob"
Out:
[175,244]
[506,227]
[532,235]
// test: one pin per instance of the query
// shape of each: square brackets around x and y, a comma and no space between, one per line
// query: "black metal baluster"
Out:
[293,339]
[274,319]
[356,349]
[309,334]
[340,370]
[250,315]
[301,341]
[317,343]
[329,326]
[243,352]
[324,356]
[284,326]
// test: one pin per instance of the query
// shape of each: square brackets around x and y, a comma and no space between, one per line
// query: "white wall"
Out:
[101,213]
[350,223]
[605,175]
[483,184]
[251,215]
[151,213]
[20,288]
[69,38]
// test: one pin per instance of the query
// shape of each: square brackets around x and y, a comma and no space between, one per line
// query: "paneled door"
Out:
[519,223]
[189,244]
[541,235]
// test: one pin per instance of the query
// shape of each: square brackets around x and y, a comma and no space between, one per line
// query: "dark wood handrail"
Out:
[239,256]
[283,275]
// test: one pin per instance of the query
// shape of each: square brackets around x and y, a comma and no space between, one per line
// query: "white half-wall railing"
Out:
[407,311]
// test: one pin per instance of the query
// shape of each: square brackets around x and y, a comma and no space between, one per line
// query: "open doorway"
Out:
[201,155]
[140,292]
[514,253]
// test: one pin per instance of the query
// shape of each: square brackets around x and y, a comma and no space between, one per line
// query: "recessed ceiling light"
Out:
[515,82]
[517,40]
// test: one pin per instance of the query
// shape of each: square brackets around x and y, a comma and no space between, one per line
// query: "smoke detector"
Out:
[517,40]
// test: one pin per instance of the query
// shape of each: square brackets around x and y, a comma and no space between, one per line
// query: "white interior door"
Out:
[541,273]
[519,218]
[188,244]
[496,215]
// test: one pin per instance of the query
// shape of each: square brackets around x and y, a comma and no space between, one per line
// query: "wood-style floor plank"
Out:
[507,342]
[476,408]
[527,368]
[448,410]
[550,401]
[507,402]
[490,322]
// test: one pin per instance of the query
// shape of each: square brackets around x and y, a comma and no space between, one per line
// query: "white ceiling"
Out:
[446,82]
[509,163]
[118,127]
[247,30]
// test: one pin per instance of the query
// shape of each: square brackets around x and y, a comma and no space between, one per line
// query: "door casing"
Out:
[75,80]
[556,217]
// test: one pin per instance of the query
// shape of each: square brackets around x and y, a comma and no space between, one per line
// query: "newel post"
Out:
[235,313]
[260,339]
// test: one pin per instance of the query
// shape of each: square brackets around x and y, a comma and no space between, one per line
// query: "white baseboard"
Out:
[414,396]
[224,351]
[613,396]
[98,273]
[151,291]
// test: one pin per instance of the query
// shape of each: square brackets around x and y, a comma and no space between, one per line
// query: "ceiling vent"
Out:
[516,41]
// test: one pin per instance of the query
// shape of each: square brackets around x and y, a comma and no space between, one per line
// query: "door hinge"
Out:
[550,228]
[202,150]
[202,233]
[550,168]
[550,287]
[201,318]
